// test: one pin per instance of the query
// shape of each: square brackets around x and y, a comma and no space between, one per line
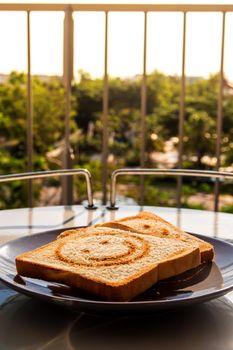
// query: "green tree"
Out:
[199,136]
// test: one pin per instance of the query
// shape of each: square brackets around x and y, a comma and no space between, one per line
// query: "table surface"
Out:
[26,323]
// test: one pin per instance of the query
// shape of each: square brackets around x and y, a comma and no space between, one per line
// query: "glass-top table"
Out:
[26,323]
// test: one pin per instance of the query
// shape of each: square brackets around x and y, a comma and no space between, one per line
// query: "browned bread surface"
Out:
[110,263]
[151,224]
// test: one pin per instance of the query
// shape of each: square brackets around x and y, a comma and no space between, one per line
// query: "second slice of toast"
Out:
[151,224]
[109,263]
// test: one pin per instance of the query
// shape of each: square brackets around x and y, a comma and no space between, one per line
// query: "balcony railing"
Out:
[68,77]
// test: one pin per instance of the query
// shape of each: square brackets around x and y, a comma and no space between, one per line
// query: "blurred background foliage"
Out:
[163,98]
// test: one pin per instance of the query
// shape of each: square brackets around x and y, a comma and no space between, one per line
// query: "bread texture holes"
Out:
[146,226]
[165,231]
[87,251]
[105,242]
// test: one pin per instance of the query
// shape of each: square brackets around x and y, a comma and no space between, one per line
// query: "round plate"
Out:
[206,282]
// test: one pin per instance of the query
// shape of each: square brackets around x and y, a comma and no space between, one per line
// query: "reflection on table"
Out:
[30,324]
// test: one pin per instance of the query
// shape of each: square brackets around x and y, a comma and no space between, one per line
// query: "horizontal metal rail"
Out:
[168,172]
[52,173]
[118,7]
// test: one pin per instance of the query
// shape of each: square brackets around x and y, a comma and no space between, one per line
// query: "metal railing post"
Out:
[219,114]
[143,111]
[105,116]
[29,113]
[67,182]
[181,115]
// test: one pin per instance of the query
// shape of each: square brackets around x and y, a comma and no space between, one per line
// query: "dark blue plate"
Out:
[206,282]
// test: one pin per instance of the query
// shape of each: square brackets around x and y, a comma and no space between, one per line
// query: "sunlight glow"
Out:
[125,55]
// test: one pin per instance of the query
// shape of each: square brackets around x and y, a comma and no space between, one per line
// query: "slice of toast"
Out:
[151,224]
[109,263]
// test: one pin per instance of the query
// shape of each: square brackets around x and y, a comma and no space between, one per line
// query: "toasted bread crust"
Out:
[206,249]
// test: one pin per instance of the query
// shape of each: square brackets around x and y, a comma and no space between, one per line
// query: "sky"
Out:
[125,53]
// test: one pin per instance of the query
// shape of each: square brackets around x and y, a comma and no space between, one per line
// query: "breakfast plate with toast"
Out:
[138,263]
